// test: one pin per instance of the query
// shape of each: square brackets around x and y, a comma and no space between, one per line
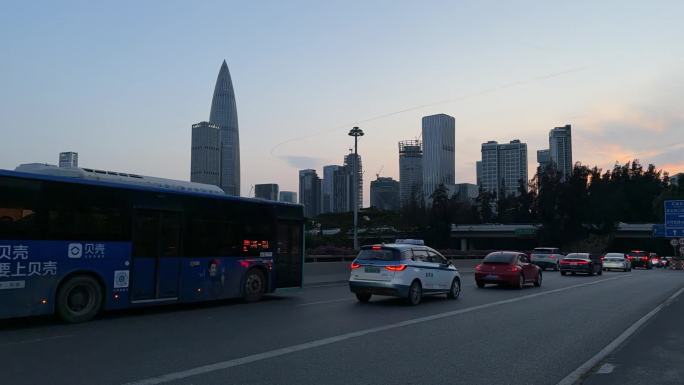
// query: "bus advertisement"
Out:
[75,247]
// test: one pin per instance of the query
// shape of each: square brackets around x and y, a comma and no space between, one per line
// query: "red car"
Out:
[507,268]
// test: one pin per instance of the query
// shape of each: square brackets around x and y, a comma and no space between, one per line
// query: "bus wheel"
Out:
[79,299]
[255,285]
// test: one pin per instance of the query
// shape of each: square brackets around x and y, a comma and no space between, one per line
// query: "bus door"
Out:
[156,255]
[288,256]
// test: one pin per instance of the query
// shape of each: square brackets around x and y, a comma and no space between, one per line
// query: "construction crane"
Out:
[377,174]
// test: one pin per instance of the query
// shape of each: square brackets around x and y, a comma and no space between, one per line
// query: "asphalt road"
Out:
[321,335]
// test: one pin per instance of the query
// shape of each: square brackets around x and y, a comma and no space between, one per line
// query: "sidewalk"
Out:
[654,355]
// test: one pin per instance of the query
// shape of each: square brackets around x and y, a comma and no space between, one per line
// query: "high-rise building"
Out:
[384,194]
[354,164]
[205,154]
[677,179]
[327,188]
[543,158]
[465,192]
[478,173]
[504,166]
[68,159]
[288,196]
[224,114]
[410,171]
[266,191]
[439,160]
[310,192]
[342,190]
[560,149]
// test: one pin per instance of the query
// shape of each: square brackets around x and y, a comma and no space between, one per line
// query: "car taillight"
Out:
[582,262]
[376,247]
[564,262]
[478,267]
[514,268]
[355,265]
[644,258]
[552,257]
[396,267]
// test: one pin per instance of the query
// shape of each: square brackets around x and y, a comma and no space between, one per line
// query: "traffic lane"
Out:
[143,343]
[535,341]
[655,352]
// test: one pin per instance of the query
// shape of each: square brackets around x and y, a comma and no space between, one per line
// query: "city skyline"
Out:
[614,77]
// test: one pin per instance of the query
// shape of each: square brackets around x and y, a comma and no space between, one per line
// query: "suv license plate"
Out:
[369,269]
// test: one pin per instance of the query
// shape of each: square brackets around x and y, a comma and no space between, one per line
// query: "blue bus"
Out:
[74,246]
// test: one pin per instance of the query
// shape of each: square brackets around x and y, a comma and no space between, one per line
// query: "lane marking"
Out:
[577,374]
[41,339]
[175,376]
[606,369]
[326,301]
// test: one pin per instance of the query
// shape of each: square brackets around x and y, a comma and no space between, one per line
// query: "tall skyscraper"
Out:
[478,173]
[288,196]
[543,158]
[439,160]
[68,159]
[224,114]
[384,194]
[310,192]
[355,164]
[410,171]
[205,154]
[342,190]
[266,191]
[504,166]
[327,188]
[560,149]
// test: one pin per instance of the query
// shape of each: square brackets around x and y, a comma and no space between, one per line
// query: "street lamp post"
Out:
[356,132]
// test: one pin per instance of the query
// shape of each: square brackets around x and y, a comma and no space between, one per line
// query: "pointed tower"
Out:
[224,114]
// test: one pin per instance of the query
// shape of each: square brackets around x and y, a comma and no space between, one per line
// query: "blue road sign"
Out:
[674,218]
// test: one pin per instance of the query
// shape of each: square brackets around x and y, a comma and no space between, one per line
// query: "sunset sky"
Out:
[122,82]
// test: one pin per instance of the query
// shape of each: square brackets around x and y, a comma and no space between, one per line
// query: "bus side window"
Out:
[18,213]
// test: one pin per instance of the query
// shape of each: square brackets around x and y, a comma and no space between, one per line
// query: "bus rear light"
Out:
[199,289]
[116,296]
[396,268]
[355,265]
[244,264]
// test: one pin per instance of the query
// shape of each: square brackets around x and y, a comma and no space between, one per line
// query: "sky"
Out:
[122,82]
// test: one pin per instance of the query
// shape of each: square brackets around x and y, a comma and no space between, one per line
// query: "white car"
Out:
[616,261]
[406,270]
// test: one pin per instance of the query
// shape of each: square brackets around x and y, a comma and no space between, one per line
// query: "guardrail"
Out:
[349,258]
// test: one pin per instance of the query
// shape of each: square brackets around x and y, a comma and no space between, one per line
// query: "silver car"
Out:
[616,261]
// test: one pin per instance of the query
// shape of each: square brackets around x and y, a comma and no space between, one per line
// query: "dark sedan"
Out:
[583,263]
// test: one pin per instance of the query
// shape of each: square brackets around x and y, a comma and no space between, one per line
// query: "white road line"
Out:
[175,376]
[42,339]
[577,374]
[327,301]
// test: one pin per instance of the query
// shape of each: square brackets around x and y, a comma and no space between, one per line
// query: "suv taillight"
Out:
[355,265]
[396,268]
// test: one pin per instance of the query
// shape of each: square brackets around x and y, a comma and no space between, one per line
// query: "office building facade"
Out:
[384,194]
[410,171]
[266,191]
[288,196]
[205,154]
[354,165]
[439,160]
[327,187]
[310,192]
[504,167]
[560,150]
